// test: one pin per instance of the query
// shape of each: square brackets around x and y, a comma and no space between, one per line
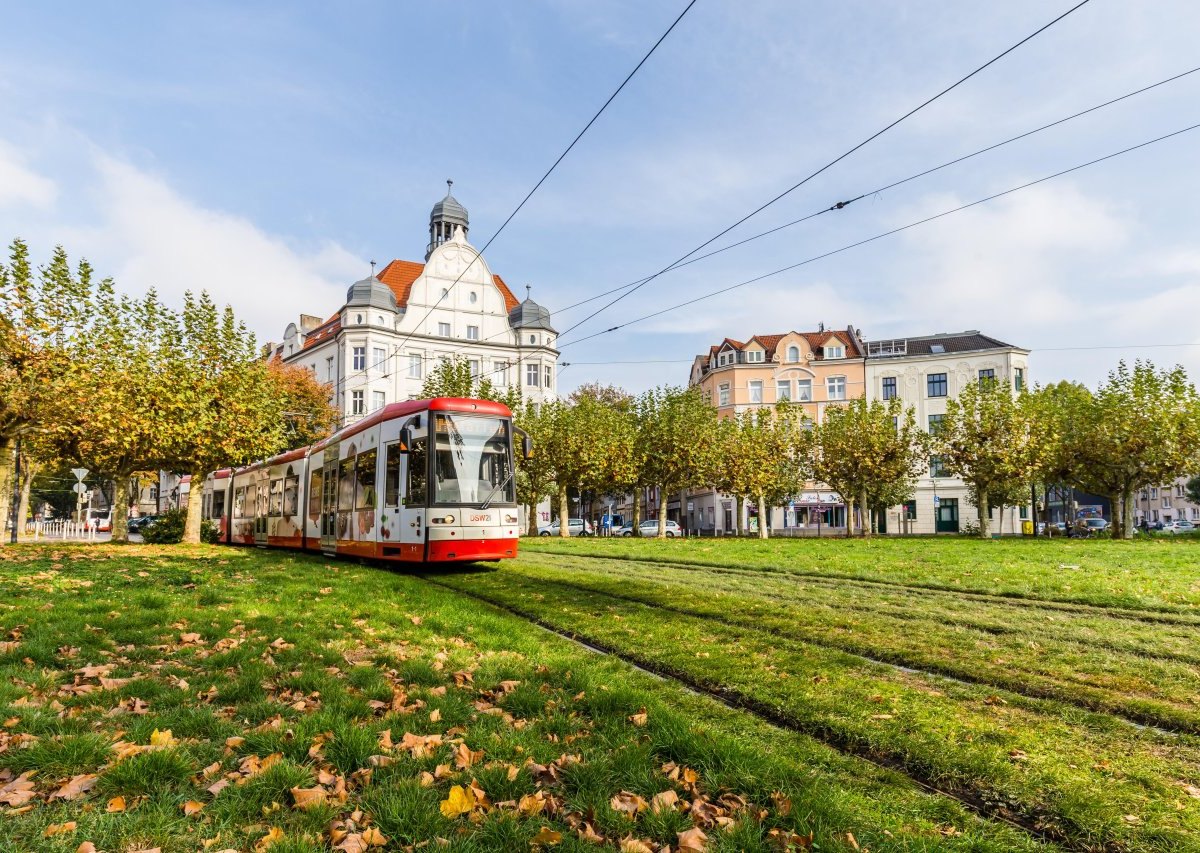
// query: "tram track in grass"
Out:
[1042,763]
[1010,599]
[738,702]
[1165,724]
[1146,641]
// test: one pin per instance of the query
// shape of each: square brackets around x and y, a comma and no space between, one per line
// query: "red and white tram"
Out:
[425,481]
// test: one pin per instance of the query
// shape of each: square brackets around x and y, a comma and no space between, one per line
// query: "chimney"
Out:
[308,322]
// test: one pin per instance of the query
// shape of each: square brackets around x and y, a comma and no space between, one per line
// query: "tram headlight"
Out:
[510,518]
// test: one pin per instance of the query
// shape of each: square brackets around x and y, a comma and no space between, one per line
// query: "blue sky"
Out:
[268,152]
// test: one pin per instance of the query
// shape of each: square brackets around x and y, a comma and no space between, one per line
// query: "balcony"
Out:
[887,349]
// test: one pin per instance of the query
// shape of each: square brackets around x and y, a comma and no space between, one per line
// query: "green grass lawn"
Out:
[216,699]
[983,667]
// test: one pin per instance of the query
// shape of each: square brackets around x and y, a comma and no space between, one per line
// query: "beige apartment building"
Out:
[812,369]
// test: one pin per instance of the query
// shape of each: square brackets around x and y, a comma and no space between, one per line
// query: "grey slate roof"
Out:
[530,315]
[371,292]
[449,210]
[971,340]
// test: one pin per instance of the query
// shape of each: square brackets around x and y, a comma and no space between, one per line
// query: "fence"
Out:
[62,529]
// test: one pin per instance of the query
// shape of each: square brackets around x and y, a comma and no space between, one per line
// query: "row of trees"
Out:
[127,386]
[1141,427]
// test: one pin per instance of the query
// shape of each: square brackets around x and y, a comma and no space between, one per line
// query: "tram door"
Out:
[262,482]
[329,485]
[413,515]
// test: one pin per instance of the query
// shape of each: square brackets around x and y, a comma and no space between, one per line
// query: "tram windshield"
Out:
[472,461]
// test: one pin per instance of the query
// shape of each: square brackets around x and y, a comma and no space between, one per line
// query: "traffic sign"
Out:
[936,500]
[80,488]
[79,473]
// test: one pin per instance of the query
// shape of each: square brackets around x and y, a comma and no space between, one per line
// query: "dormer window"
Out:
[793,353]
[835,351]
[754,356]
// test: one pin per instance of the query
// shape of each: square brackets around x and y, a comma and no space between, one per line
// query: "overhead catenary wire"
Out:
[830,164]
[554,165]
[881,235]
[458,347]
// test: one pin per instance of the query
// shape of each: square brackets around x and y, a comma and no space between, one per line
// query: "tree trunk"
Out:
[120,508]
[984,521]
[637,511]
[737,515]
[763,531]
[564,514]
[662,513]
[191,528]
[1127,514]
[29,470]
[865,510]
[531,521]
[6,484]
[1000,519]
[849,517]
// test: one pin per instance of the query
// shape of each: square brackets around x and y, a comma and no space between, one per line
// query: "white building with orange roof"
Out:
[399,324]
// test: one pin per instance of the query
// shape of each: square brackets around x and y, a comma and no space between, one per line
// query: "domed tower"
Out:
[445,216]
[367,296]
[530,315]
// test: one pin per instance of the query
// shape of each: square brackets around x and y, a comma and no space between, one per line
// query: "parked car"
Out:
[136,524]
[649,527]
[1088,527]
[575,527]
[1180,526]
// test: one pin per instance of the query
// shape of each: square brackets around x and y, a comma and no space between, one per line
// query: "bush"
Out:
[168,529]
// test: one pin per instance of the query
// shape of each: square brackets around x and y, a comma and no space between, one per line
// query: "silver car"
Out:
[575,527]
[649,528]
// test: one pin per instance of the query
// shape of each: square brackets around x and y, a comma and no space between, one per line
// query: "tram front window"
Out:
[472,460]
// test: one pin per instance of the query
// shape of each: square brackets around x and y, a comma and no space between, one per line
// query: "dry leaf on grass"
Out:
[86,847]
[307,798]
[548,836]
[78,786]
[192,807]
[663,802]
[692,841]
[19,791]
[116,804]
[59,829]
[629,803]
[460,801]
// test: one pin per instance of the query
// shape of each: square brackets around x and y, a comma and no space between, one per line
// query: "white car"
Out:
[575,527]
[649,528]
[1180,526]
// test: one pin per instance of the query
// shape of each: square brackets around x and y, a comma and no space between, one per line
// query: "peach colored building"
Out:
[815,369]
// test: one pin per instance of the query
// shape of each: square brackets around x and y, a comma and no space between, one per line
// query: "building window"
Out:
[360,358]
[835,352]
[532,375]
[1154,515]
[804,390]
[1195,512]
[935,424]
[357,405]
[378,400]
[723,394]
[444,330]
[793,354]
[783,390]
[533,339]
[756,391]
[380,356]
[358,319]
[1166,502]
[936,467]
[889,387]
[474,365]
[501,373]
[754,356]
[935,384]
[474,297]
[910,510]
[472,333]
[1019,378]
[548,375]
[835,387]
[329,367]
[986,377]
[1154,492]
[1179,491]
[414,365]
[1023,512]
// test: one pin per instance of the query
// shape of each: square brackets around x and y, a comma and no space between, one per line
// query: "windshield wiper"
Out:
[492,493]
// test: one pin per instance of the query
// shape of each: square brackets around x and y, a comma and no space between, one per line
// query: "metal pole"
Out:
[16,497]
[1033,507]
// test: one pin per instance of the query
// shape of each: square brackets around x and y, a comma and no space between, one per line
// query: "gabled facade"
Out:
[925,372]
[814,370]
[396,326]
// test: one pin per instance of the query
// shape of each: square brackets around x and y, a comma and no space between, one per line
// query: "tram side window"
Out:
[364,497]
[291,496]
[239,502]
[391,475]
[418,473]
[276,504]
[314,494]
[346,484]
[218,505]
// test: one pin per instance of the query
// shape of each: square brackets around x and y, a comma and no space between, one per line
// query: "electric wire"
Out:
[831,163]
[880,236]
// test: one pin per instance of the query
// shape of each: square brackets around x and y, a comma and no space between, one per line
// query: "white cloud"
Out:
[20,185]
[145,234]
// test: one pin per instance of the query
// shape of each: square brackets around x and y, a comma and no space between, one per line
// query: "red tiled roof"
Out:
[323,332]
[817,339]
[400,275]
[770,343]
